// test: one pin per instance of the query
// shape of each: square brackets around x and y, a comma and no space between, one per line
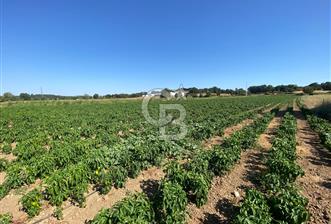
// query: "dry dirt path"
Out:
[95,202]
[222,200]
[316,162]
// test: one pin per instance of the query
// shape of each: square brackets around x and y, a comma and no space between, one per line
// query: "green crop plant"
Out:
[31,202]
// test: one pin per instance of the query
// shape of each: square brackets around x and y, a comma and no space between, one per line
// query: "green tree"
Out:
[315,86]
[8,96]
[95,96]
[25,96]
[86,96]
[326,86]
[308,90]
[165,93]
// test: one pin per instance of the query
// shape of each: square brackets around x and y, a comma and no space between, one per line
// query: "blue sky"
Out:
[73,47]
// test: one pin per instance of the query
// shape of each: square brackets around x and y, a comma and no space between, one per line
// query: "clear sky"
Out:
[73,47]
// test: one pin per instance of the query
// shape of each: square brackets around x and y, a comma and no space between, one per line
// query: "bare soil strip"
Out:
[228,190]
[316,162]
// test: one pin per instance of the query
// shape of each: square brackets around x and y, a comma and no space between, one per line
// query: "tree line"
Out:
[309,89]
[193,92]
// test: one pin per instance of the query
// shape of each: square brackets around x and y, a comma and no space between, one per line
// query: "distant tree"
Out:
[8,96]
[286,88]
[165,93]
[194,90]
[315,86]
[308,90]
[257,89]
[229,91]
[86,96]
[326,86]
[240,92]
[25,96]
[291,88]
[215,90]
[95,96]
[269,88]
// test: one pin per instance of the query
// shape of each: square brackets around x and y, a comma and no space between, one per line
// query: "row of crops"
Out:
[70,147]
[322,127]
[189,182]
[278,199]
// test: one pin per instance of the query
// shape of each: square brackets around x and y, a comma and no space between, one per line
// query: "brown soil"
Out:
[2,177]
[222,198]
[316,162]
[9,157]
[146,182]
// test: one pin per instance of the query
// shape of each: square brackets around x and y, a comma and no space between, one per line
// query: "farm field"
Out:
[257,159]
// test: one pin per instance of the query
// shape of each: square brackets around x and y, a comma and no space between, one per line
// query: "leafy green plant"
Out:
[198,186]
[58,213]
[31,202]
[321,126]
[70,182]
[287,170]
[176,173]
[6,148]
[3,164]
[171,202]
[254,209]
[222,160]
[105,181]
[202,131]
[289,206]
[133,209]
[6,218]
[119,175]
[4,190]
